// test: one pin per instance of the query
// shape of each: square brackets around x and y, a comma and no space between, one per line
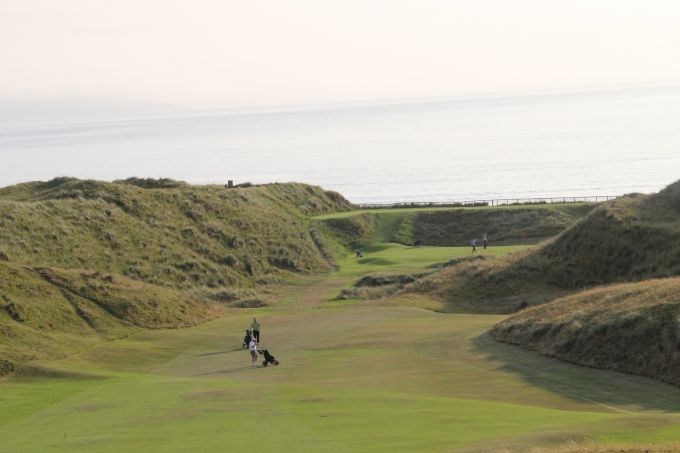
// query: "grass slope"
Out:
[82,261]
[631,327]
[487,284]
[629,239]
[504,225]
[47,312]
[181,236]
[377,235]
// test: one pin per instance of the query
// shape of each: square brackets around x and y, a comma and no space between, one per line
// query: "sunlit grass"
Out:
[397,258]
[354,378]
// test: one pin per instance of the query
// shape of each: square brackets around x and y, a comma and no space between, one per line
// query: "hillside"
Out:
[503,225]
[632,327]
[47,312]
[171,234]
[632,238]
[515,225]
[82,261]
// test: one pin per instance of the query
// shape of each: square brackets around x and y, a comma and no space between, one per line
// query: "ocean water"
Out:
[606,142]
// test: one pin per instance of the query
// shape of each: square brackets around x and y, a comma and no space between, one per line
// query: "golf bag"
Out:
[268,358]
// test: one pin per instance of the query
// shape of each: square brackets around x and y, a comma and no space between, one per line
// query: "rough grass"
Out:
[181,236]
[48,312]
[82,261]
[486,283]
[632,238]
[504,225]
[633,328]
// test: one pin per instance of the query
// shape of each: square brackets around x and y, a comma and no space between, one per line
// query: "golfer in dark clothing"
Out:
[246,339]
[255,327]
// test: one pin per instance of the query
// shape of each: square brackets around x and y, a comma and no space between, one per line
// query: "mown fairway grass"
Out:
[354,376]
[396,258]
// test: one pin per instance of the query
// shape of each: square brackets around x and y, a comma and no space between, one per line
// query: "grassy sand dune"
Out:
[83,261]
[355,375]
[456,226]
[632,238]
[173,235]
[629,327]
[49,312]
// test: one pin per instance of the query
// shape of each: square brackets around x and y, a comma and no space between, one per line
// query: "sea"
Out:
[549,144]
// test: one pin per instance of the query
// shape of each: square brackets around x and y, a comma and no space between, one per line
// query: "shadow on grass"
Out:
[232,370]
[376,261]
[373,247]
[609,389]
[207,354]
[41,372]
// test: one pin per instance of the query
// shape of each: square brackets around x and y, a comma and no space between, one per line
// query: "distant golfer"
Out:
[246,339]
[473,243]
[252,346]
[255,327]
[485,241]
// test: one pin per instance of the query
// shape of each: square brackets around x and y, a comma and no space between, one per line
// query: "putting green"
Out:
[396,258]
[357,376]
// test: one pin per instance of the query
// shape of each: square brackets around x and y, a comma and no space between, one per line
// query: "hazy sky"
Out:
[222,53]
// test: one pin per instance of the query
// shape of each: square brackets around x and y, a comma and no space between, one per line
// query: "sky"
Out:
[222,53]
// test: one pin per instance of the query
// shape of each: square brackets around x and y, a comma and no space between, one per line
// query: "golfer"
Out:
[255,327]
[252,346]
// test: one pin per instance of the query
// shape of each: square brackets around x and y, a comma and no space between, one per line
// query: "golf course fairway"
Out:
[355,375]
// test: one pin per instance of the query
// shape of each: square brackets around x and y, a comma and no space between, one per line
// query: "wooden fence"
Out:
[491,202]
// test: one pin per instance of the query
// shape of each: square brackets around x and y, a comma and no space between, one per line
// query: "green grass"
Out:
[360,376]
[452,226]
[632,238]
[48,312]
[184,236]
[82,261]
[397,258]
[354,378]
[355,212]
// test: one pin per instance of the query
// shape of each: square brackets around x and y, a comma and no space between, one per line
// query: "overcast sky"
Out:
[224,53]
